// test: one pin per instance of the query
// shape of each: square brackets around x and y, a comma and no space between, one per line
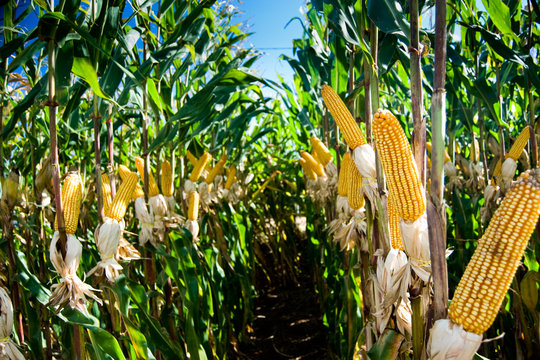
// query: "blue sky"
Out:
[267,20]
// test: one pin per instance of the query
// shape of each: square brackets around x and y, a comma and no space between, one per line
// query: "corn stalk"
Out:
[419,138]
[435,212]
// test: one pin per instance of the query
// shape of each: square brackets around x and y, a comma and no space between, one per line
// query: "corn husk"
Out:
[342,205]
[354,232]
[193,227]
[404,317]
[508,171]
[491,194]
[107,237]
[126,251]
[414,235]
[449,341]
[234,194]
[391,280]
[71,288]
[146,222]
[364,159]
[189,187]
[8,349]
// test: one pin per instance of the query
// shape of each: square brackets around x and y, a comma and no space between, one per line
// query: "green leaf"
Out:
[83,68]
[387,347]
[500,15]
[389,17]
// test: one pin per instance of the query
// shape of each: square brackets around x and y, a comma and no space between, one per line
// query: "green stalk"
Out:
[417,327]
[97,154]
[419,138]
[436,212]
[534,146]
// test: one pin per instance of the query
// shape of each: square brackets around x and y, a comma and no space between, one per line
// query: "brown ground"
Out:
[287,325]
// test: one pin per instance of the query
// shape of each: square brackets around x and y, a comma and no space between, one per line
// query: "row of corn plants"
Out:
[461,83]
[128,224]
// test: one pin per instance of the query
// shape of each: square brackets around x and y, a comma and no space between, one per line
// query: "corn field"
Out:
[158,203]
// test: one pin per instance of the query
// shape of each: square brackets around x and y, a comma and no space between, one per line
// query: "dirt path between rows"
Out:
[287,325]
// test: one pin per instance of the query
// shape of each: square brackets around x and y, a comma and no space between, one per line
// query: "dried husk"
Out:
[107,237]
[71,288]
[8,348]
[414,235]
[354,232]
[146,222]
[449,341]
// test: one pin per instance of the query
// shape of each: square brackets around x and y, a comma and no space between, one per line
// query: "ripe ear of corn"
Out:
[153,189]
[308,170]
[488,275]
[393,221]
[216,170]
[354,188]
[231,177]
[122,197]
[192,159]
[124,173]
[343,118]
[106,192]
[515,150]
[71,202]
[321,150]
[312,163]
[519,144]
[343,183]
[198,169]
[399,166]
[193,210]
[166,179]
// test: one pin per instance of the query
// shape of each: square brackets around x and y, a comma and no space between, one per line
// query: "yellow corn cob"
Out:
[315,156]
[519,144]
[393,221]
[515,150]
[321,150]
[106,191]
[399,166]
[153,189]
[198,169]
[343,183]
[216,170]
[193,210]
[348,126]
[122,197]
[354,188]
[166,178]
[71,202]
[231,177]
[497,172]
[308,171]
[124,173]
[311,162]
[487,278]
[192,159]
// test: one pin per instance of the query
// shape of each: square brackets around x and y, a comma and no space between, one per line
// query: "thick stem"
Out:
[436,217]
[110,147]
[61,245]
[419,138]
[4,88]
[368,111]
[97,154]
[374,74]
[534,146]
[417,327]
